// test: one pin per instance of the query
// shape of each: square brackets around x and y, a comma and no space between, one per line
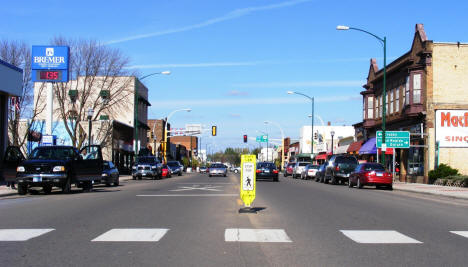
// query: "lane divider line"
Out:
[379,237]
[132,235]
[256,235]
[22,234]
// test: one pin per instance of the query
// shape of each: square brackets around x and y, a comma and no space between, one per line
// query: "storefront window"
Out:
[416,160]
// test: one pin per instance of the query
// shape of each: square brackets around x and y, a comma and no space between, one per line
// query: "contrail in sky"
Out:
[237,13]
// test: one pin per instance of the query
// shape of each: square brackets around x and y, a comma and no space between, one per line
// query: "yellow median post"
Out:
[248,179]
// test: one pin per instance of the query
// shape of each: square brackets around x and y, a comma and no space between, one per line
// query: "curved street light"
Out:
[165,129]
[384,93]
[136,107]
[282,141]
[312,122]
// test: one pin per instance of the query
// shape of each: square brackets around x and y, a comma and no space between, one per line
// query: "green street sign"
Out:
[394,139]
[262,138]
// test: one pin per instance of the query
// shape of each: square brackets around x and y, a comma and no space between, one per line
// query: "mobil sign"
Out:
[452,128]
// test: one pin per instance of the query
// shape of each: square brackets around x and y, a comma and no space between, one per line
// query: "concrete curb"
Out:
[413,190]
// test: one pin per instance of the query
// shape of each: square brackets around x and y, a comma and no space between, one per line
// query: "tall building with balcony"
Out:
[429,80]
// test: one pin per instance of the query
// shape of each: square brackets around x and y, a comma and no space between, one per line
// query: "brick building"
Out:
[431,78]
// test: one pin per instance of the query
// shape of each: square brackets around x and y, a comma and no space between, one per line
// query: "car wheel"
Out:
[209,175]
[350,185]
[317,179]
[133,178]
[47,189]
[66,188]
[108,184]
[325,180]
[116,181]
[390,187]
[224,175]
[333,180]
[359,184]
[22,189]
[87,186]
[140,177]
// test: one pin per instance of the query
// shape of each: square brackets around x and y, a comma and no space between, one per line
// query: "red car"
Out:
[289,169]
[371,174]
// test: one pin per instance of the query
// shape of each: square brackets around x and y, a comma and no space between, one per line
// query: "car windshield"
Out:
[52,153]
[265,165]
[147,160]
[217,166]
[373,167]
[173,164]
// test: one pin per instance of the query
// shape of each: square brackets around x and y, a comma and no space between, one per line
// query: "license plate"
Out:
[380,174]
[267,171]
[37,179]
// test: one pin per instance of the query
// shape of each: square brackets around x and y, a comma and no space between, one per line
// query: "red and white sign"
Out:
[452,128]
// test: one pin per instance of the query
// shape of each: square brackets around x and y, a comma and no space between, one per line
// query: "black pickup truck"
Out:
[60,166]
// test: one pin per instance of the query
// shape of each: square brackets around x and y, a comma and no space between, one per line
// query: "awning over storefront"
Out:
[341,149]
[322,156]
[368,147]
[354,147]
[389,151]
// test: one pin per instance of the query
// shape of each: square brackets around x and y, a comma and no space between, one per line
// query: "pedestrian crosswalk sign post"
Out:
[248,179]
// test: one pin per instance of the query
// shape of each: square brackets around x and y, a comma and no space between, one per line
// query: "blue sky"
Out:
[233,61]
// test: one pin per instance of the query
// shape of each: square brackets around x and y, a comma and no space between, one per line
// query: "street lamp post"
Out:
[136,100]
[90,117]
[165,130]
[332,135]
[312,122]
[282,141]
[384,93]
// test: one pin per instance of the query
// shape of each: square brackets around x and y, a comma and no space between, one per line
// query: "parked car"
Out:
[60,166]
[236,170]
[289,169]
[176,167]
[298,168]
[110,174]
[147,166]
[12,158]
[371,174]
[217,169]
[166,171]
[309,171]
[203,169]
[339,168]
[320,175]
[267,170]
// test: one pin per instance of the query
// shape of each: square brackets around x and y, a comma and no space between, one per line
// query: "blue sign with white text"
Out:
[50,63]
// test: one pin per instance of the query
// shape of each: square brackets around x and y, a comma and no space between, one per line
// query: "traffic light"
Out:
[245,138]
[213,130]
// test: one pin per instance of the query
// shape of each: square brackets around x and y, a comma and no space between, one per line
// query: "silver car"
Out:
[299,168]
[218,169]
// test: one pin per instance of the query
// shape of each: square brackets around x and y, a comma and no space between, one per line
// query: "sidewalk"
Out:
[448,191]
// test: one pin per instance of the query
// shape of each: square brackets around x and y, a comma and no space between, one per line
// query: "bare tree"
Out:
[101,81]
[23,107]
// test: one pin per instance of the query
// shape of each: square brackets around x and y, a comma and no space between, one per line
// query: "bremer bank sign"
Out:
[452,128]
[50,57]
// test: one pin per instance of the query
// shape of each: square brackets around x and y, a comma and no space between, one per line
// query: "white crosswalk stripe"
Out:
[21,234]
[132,235]
[256,235]
[460,233]
[379,237]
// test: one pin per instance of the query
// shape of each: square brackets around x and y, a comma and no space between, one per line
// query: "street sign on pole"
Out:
[262,138]
[248,179]
[394,139]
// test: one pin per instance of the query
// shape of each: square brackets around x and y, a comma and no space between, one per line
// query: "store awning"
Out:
[368,147]
[321,156]
[354,147]
[341,149]
[388,151]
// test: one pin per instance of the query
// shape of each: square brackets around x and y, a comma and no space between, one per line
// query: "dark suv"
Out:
[267,170]
[339,168]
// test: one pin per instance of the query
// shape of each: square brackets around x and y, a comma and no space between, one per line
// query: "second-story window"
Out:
[407,91]
[417,88]
[391,100]
[397,100]
[381,107]
[370,107]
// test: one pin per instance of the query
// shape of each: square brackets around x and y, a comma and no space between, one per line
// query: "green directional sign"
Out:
[394,139]
[262,138]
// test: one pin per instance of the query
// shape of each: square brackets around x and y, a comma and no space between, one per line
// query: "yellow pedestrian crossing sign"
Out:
[248,179]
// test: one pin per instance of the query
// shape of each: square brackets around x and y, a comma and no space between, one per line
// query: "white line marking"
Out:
[191,195]
[132,235]
[21,234]
[461,233]
[196,187]
[256,235]
[379,237]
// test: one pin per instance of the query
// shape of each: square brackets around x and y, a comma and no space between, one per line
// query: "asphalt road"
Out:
[193,220]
